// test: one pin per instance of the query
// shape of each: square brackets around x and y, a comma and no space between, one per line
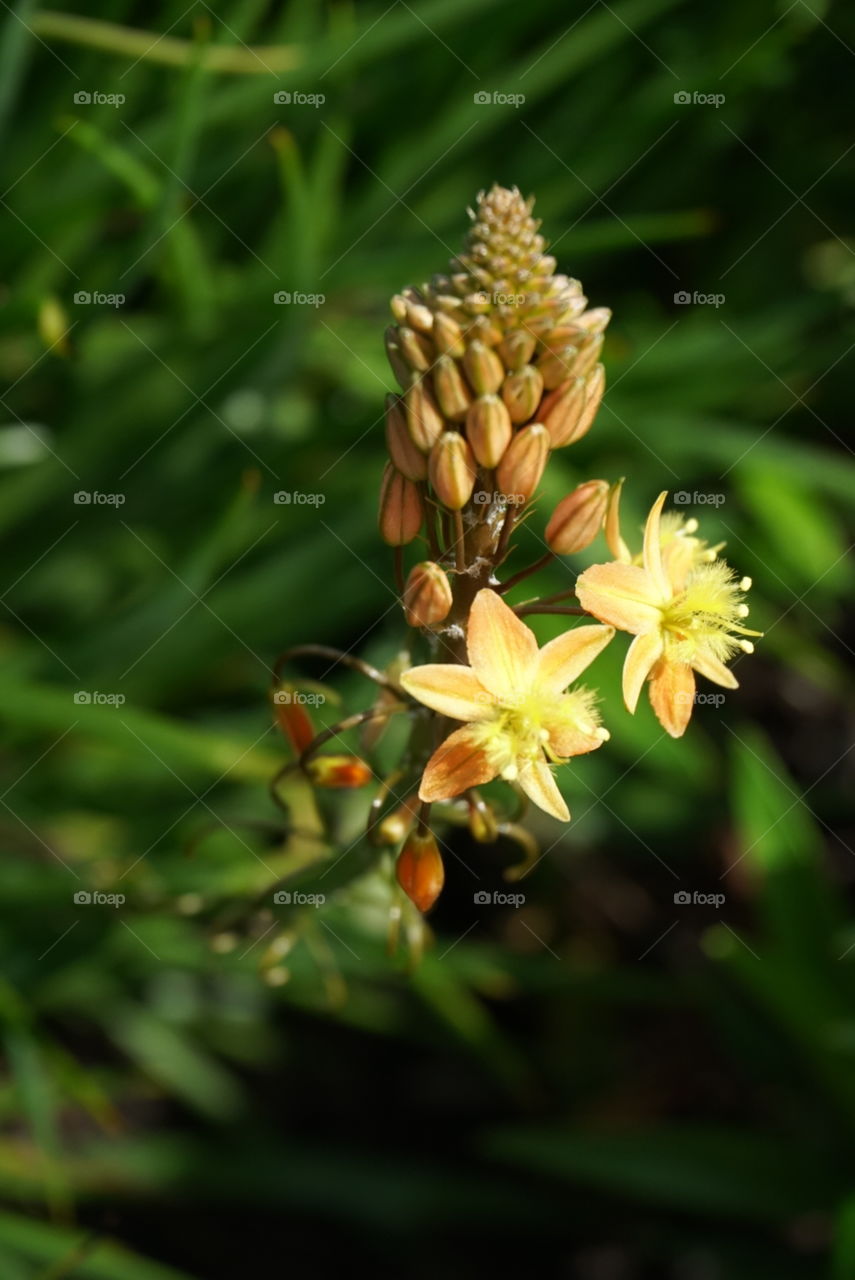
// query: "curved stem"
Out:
[523,609]
[527,572]
[336,656]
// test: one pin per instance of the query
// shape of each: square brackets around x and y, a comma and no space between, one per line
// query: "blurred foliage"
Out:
[629,1086]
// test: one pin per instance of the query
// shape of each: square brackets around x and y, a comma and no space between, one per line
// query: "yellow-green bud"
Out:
[483,368]
[521,392]
[578,518]
[427,595]
[448,336]
[521,468]
[451,468]
[517,349]
[415,349]
[489,430]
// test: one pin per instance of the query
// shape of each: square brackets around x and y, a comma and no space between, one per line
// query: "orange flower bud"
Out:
[400,508]
[424,419]
[589,353]
[402,371]
[404,454]
[521,392]
[427,595]
[293,718]
[419,317]
[561,411]
[595,320]
[338,772]
[578,518]
[452,472]
[415,349]
[520,470]
[594,388]
[419,870]
[483,368]
[517,349]
[489,430]
[398,307]
[450,389]
[485,330]
[555,367]
[448,336]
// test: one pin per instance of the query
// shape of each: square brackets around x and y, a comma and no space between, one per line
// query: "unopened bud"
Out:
[393,828]
[402,371]
[338,772]
[424,419]
[409,460]
[483,368]
[415,349]
[293,718]
[595,320]
[452,471]
[561,411]
[556,367]
[419,317]
[520,470]
[594,388]
[398,307]
[427,595]
[489,430]
[419,870]
[589,353]
[450,389]
[483,825]
[578,518]
[400,508]
[521,392]
[517,349]
[448,336]
[484,330]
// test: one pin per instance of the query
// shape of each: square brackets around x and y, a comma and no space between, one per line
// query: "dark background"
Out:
[601,1081]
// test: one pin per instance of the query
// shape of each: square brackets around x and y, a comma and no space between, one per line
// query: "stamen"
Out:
[744,584]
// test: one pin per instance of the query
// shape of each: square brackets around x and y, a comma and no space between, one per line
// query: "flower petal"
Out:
[457,764]
[449,689]
[707,664]
[653,546]
[502,649]
[672,695]
[640,657]
[567,656]
[539,785]
[621,594]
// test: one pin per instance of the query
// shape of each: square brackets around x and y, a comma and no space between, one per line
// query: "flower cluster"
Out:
[498,366]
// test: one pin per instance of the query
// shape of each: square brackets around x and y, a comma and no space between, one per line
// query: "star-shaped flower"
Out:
[512,699]
[685,612]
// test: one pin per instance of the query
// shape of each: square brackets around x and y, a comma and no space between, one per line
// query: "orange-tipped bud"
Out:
[485,330]
[521,392]
[402,371]
[424,420]
[452,471]
[401,508]
[595,320]
[450,389]
[415,349]
[517,349]
[561,411]
[589,353]
[419,870]
[594,388]
[483,368]
[578,518]
[427,595]
[293,718]
[338,772]
[556,367]
[489,430]
[448,336]
[520,470]
[409,460]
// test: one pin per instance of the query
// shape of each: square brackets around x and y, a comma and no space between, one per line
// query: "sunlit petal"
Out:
[672,695]
[707,664]
[457,764]
[621,594]
[502,649]
[539,785]
[653,546]
[563,659]
[451,690]
[640,657]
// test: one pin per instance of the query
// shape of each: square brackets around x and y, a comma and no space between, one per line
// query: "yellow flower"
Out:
[513,702]
[685,610]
